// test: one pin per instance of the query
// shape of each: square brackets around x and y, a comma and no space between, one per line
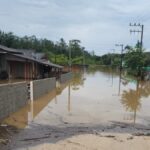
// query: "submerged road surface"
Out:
[98,109]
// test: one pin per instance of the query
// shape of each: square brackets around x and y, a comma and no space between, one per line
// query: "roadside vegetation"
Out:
[134,58]
[57,52]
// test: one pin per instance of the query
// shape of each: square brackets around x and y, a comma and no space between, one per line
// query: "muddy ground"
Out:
[67,136]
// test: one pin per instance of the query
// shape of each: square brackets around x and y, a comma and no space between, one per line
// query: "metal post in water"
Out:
[69,101]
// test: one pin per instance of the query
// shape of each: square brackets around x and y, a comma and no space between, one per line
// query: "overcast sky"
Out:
[99,24]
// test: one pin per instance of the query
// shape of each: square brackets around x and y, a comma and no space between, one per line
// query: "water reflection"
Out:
[56,99]
[112,77]
[60,88]
[69,98]
[26,114]
[90,94]
[107,71]
[132,98]
[18,119]
[78,80]
[120,75]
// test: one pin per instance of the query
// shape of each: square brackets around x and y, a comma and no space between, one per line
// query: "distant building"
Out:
[25,64]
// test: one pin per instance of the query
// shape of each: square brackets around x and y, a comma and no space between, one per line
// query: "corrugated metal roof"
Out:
[3,52]
[38,61]
[10,50]
[20,54]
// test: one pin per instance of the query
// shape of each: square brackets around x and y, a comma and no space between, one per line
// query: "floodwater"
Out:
[93,97]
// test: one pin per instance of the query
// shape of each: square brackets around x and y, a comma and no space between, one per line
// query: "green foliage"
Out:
[76,49]
[147,59]
[109,60]
[57,52]
[134,60]
[116,61]
[61,59]
[106,59]
[77,60]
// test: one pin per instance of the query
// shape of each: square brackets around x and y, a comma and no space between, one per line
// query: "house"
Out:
[25,64]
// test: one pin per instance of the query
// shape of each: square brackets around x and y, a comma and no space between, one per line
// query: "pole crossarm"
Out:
[138,31]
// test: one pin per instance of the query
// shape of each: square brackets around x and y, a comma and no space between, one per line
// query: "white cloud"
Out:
[98,24]
[40,3]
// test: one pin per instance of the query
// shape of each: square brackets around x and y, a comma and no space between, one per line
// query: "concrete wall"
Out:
[66,77]
[12,97]
[41,87]
[15,95]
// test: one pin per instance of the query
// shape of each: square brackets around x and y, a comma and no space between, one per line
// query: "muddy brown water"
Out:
[92,97]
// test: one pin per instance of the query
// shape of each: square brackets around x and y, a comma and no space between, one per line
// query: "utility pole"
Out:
[141,31]
[112,60]
[69,59]
[55,57]
[69,100]
[113,51]
[121,57]
[83,58]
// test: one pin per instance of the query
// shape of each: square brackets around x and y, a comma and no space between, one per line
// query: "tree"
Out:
[74,46]
[134,60]
[147,59]
[57,52]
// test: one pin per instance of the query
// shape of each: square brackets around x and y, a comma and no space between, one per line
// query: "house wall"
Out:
[16,69]
[28,70]
[22,68]
[3,64]
[12,97]
[3,67]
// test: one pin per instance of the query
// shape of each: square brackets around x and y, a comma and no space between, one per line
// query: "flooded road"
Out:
[100,97]
[95,100]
